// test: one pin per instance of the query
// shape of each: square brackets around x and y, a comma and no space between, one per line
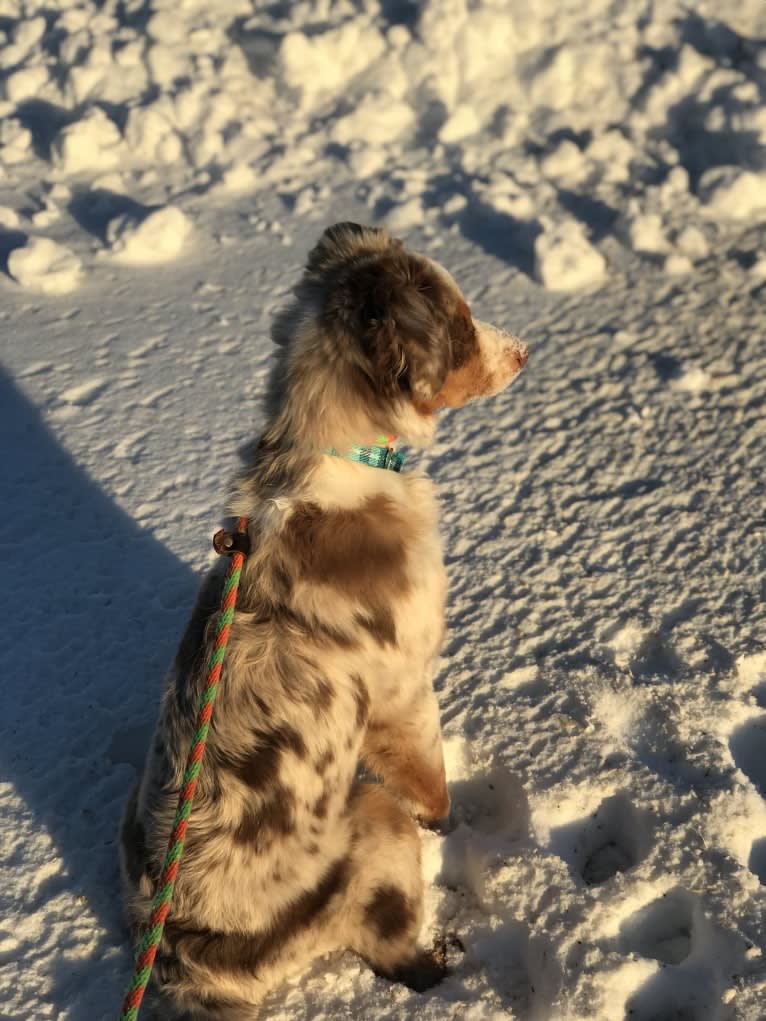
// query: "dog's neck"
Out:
[326,424]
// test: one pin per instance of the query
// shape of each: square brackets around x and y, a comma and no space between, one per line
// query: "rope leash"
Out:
[236,545]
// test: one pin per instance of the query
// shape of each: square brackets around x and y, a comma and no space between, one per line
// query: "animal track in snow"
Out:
[655,658]
[652,1005]
[757,861]
[647,655]
[522,968]
[663,930]
[613,839]
[491,803]
[489,811]
[697,959]
[678,758]
[748,749]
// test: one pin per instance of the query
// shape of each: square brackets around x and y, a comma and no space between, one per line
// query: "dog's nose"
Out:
[519,355]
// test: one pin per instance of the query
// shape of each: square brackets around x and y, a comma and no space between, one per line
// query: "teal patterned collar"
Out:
[376,455]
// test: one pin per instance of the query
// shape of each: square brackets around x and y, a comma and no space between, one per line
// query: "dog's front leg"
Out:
[403,745]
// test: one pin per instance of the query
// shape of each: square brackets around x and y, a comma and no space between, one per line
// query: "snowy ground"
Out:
[594,175]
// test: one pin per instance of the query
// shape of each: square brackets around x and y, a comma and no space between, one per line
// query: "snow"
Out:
[45,265]
[157,237]
[566,261]
[92,143]
[733,193]
[594,176]
[9,217]
[646,233]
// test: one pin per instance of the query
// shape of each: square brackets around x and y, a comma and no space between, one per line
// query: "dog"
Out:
[339,621]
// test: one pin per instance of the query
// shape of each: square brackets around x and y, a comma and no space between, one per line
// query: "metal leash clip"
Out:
[225,543]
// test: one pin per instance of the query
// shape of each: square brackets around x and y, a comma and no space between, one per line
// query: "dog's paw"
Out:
[425,971]
[442,827]
[434,812]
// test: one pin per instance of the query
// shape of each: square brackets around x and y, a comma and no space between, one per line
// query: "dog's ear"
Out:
[401,316]
[392,313]
[343,241]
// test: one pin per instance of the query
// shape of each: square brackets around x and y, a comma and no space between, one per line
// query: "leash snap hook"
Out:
[226,543]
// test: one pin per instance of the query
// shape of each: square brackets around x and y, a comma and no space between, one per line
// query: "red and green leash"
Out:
[236,546]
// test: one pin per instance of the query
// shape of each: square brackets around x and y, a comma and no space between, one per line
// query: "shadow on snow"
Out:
[93,607]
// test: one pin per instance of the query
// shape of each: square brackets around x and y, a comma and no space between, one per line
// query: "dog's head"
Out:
[397,325]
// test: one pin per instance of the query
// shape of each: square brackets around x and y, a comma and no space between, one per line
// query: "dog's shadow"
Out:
[93,607]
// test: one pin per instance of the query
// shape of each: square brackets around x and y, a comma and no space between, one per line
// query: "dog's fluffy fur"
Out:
[337,630]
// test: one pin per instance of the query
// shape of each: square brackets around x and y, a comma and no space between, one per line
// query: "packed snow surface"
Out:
[594,176]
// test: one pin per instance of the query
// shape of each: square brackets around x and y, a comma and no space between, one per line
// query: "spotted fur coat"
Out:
[333,648]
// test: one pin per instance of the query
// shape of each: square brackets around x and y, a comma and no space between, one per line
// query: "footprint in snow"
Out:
[663,930]
[615,838]
[494,802]
[696,959]
[748,749]
[656,659]
[490,815]
[757,860]
[489,812]
[522,968]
